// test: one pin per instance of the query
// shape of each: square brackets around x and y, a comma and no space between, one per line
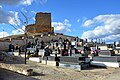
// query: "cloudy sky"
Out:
[84,18]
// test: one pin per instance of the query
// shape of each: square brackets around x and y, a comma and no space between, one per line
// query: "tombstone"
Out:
[106,53]
[70,59]
[77,67]
[60,40]
[65,52]
[30,51]
[47,52]
[77,39]
[56,44]
[114,45]
[76,63]
[16,47]
[41,52]
[72,51]
[106,58]
[36,59]
[64,45]
[29,44]
[36,40]
[42,44]
[11,48]
[51,60]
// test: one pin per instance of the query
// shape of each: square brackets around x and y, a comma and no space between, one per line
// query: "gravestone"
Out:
[51,60]
[76,63]
[106,58]
[106,53]
[41,52]
[68,59]
[36,59]
[74,66]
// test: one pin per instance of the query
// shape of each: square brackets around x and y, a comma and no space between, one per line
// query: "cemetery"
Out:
[73,54]
[79,57]
[59,56]
[35,45]
[60,51]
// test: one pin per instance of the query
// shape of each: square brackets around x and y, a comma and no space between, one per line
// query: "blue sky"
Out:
[84,18]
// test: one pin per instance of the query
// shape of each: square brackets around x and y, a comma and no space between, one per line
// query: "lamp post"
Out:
[33,39]
[25,46]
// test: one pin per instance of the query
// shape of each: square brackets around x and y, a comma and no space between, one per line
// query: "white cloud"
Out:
[88,23]
[107,27]
[3,34]
[0,6]
[8,17]
[28,2]
[112,38]
[62,27]
[16,2]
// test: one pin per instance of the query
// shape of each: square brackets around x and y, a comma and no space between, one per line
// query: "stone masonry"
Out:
[42,24]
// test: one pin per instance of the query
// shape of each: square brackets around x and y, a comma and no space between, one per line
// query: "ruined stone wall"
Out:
[43,19]
[42,24]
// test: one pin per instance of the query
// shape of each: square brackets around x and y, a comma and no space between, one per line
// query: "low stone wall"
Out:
[19,68]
